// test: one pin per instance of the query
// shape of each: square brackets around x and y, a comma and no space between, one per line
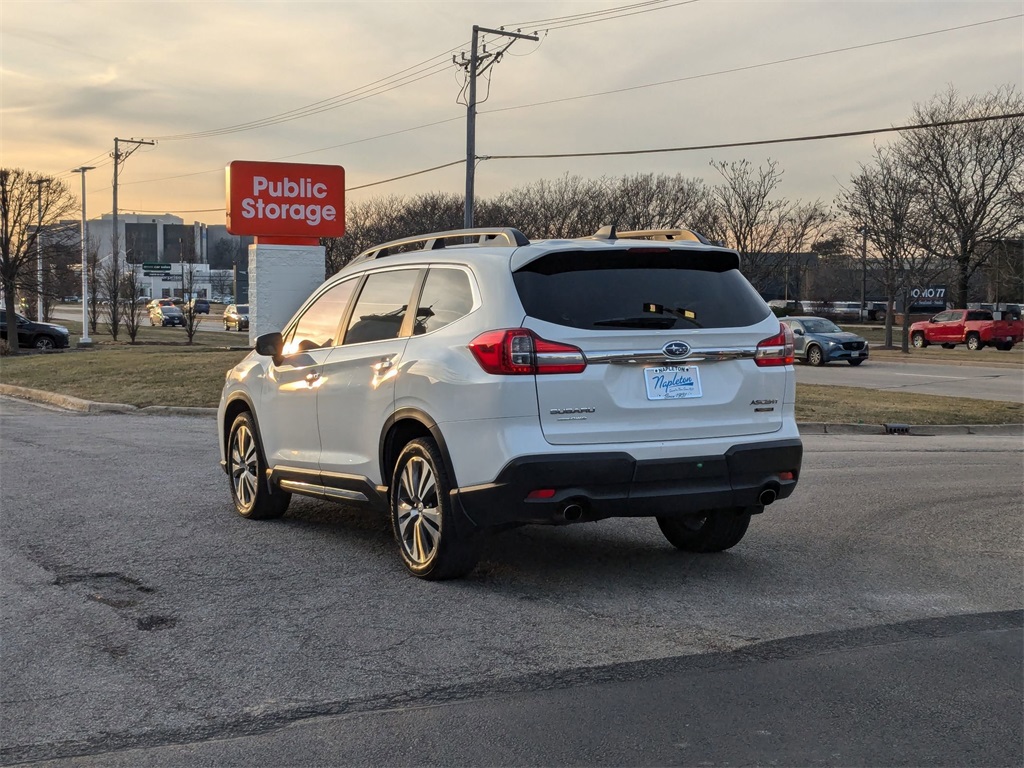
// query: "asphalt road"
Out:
[874,618]
[974,381]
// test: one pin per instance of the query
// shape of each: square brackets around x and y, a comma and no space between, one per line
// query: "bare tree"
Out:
[759,225]
[885,198]
[93,269]
[188,288]
[970,176]
[21,201]
[131,309]
[111,285]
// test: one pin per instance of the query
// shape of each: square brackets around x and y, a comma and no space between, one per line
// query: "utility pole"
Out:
[84,341]
[39,248]
[118,159]
[477,64]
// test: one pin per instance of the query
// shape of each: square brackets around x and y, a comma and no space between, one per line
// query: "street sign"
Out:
[155,274]
[152,266]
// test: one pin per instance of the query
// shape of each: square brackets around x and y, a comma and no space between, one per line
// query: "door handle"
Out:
[311,377]
[383,364]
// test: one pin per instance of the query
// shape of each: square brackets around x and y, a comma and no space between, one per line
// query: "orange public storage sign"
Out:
[285,199]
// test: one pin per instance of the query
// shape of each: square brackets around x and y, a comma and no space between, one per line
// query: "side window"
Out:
[943,317]
[446,297]
[381,308]
[319,323]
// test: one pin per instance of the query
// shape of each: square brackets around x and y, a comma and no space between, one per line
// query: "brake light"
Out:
[518,351]
[777,350]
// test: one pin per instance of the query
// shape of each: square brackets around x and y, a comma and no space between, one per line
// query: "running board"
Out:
[322,491]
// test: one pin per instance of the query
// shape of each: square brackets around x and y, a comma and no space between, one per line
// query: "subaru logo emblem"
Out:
[676,349]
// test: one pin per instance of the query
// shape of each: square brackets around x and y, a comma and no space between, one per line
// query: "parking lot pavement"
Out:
[140,611]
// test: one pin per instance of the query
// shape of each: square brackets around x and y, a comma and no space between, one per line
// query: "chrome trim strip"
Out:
[659,357]
[310,489]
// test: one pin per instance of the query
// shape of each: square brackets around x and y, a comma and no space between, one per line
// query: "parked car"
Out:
[166,315]
[236,316]
[70,300]
[36,335]
[476,387]
[199,306]
[819,341]
[977,328]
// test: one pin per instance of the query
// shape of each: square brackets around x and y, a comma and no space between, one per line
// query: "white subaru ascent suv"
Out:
[472,380]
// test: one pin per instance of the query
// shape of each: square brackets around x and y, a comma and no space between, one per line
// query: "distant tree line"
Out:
[937,204]
[940,203]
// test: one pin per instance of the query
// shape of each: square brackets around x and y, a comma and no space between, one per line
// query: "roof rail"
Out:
[436,240]
[666,234]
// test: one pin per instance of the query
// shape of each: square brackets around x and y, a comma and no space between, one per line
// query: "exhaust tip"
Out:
[768,495]
[572,512]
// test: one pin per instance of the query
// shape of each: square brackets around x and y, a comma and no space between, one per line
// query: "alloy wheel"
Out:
[419,518]
[244,467]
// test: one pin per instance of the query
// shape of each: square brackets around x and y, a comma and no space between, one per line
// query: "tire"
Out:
[432,542]
[918,340]
[44,342]
[1004,346]
[714,531]
[974,342]
[858,361]
[226,327]
[815,356]
[253,496]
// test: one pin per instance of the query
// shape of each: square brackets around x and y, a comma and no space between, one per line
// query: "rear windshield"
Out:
[621,290]
[242,309]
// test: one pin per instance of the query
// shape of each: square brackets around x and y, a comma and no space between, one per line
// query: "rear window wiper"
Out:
[659,323]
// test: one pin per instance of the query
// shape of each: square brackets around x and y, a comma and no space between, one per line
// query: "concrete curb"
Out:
[79,405]
[806,428]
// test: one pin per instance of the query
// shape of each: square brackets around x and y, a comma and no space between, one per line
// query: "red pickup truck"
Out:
[974,327]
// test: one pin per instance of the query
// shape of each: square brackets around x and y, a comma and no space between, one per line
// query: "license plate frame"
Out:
[673,382]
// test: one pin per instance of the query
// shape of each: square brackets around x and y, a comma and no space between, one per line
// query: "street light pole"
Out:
[39,250]
[84,341]
[864,274]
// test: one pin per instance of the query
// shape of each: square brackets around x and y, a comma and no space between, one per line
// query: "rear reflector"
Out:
[518,351]
[777,350]
[541,493]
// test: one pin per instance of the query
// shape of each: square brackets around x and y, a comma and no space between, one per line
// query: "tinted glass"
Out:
[380,311]
[318,325]
[821,325]
[242,309]
[621,290]
[446,297]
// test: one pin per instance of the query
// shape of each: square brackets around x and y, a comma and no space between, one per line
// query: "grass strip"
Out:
[166,375]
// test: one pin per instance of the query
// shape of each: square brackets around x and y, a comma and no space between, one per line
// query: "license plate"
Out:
[672,382]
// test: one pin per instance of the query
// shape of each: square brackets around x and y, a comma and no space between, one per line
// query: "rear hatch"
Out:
[669,336]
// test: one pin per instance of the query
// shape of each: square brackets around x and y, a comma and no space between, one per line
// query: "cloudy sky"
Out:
[371,86]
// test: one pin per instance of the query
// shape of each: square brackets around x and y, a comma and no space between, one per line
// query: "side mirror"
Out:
[932,320]
[798,331]
[270,345]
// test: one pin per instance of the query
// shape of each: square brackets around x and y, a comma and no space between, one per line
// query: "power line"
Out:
[695,148]
[748,67]
[575,16]
[761,142]
[601,93]
[404,77]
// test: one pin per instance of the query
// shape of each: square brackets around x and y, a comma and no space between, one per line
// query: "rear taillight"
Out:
[518,351]
[777,350]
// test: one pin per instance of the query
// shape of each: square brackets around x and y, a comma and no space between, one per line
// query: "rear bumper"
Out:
[617,485]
